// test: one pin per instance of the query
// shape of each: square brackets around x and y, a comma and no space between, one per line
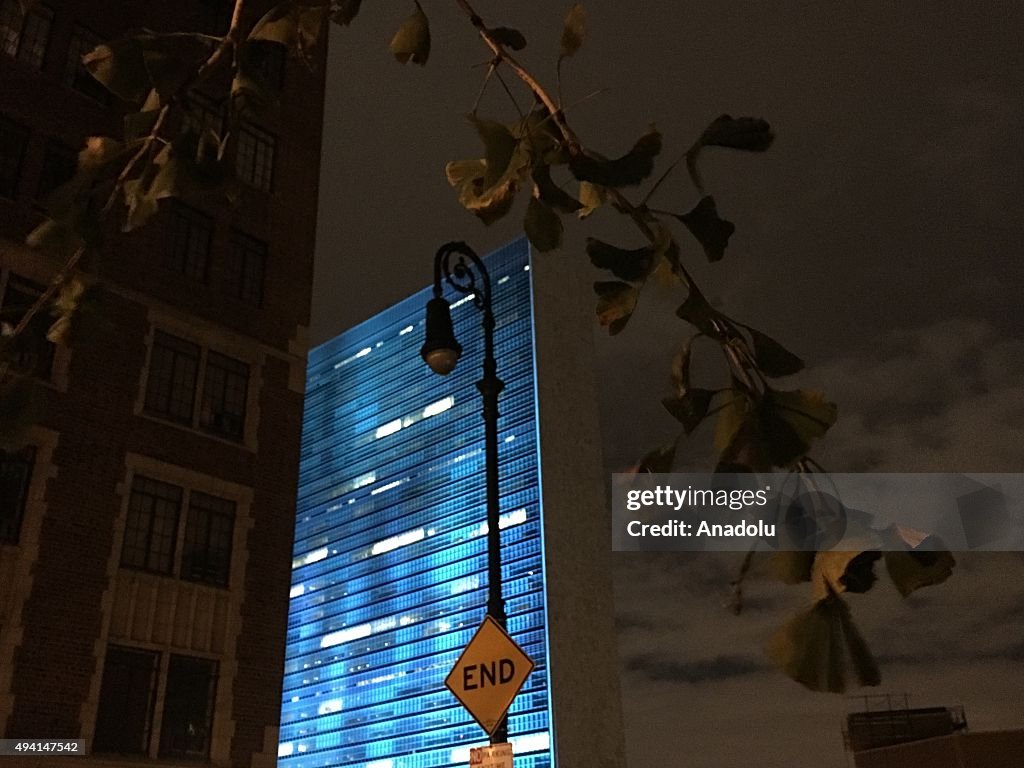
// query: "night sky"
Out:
[880,239]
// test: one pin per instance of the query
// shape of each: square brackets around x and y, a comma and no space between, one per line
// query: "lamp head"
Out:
[440,350]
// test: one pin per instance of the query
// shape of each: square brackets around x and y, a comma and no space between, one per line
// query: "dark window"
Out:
[15,473]
[75,74]
[188,707]
[246,263]
[126,702]
[59,165]
[13,140]
[203,114]
[171,385]
[208,534]
[152,527]
[255,160]
[215,16]
[224,395]
[188,247]
[268,61]
[25,36]
[33,353]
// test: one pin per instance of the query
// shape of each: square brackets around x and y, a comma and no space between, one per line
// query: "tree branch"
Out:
[228,43]
[639,214]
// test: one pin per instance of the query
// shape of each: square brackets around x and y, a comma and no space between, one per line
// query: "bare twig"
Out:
[736,598]
[492,67]
[511,96]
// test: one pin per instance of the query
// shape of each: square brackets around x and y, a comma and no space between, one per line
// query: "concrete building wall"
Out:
[587,717]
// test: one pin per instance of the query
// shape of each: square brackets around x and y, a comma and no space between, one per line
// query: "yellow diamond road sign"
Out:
[489,674]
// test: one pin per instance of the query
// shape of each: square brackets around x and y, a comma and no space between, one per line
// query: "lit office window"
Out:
[255,159]
[245,268]
[152,527]
[75,74]
[208,534]
[224,396]
[171,385]
[15,472]
[13,141]
[188,708]
[189,242]
[126,701]
[25,36]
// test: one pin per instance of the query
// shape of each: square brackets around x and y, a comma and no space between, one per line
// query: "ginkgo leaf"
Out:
[698,312]
[462,172]
[816,647]
[746,133]
[711,231]
[632,168]
[132,66]
[74,304]
[488,203]
[537,132]
[630,265]
[543,226]
[140,124]
[752,134]
[411,42]
[190,168]
[772,358]
[499,147]
[615,304]
[690,408]
[592,197]
[297,26]
[55,238]
[681,366]
[552,194]
[915,559]
[119,65]
[172,59]
[809,648]
[574,30]
[844,571]
[510,38]
[345,11]
[789,421]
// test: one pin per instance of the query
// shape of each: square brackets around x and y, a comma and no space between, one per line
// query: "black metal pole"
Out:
[462,277]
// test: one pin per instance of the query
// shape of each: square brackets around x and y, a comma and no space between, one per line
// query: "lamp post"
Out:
[458,265]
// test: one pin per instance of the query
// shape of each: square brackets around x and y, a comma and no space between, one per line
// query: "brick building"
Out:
[146,530]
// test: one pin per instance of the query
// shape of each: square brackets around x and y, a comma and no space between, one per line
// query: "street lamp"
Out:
[458,265]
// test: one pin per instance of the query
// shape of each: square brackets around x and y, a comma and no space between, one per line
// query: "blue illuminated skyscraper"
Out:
[389,571]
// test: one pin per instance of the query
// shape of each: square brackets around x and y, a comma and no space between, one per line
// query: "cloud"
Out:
[695,680]
[944,397]
[701,671]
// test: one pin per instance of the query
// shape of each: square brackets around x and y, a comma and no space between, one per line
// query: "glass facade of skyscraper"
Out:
[389,572]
